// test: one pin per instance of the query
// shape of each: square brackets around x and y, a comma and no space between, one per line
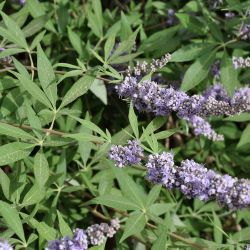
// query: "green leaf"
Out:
[35,25]
[15,33]
[76,41]
[161,241]
[33,120]
[218,236]
[78,89]
[153,195]
[88,124]
[242,235]
[134,225]
[11,51]
[133,120]
[14,151]
[109,45]
[84,137]
[6,129]
[198,71]
[165,134]
[98,88]
[126,30]
[115,201]
[37,40]
[41,168]
[228,74]
[12,219]
[63,226]
[34,195]
[37,9]
[46,76]
[101,247]
[129,187]
[244,117]
[189,52]
[33,89]
[46,232]
[245,137]
[95,19]
[5,183]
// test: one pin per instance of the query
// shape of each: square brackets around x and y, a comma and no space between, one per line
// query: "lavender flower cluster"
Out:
[151,97]
[126,155]
[94,235]
[240,62]
[196,181]
[4,245]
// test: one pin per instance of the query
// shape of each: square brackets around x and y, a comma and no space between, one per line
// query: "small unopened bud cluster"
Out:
[4,245]
[126,155]
[196,181]
[240,62]
[144,67]
[5,60]
[94,235]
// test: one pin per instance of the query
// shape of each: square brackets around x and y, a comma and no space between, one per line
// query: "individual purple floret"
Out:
[126,155]
[4,245]
[160,169]
[202,127]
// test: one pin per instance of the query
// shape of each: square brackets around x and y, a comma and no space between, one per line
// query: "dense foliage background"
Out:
[60,114]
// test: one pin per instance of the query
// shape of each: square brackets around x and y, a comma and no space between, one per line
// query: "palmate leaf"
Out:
[14,151]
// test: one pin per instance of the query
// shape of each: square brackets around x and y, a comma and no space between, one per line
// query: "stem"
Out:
[45,130]
[31,66]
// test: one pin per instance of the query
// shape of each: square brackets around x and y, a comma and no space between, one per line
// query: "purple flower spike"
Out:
[202,127]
